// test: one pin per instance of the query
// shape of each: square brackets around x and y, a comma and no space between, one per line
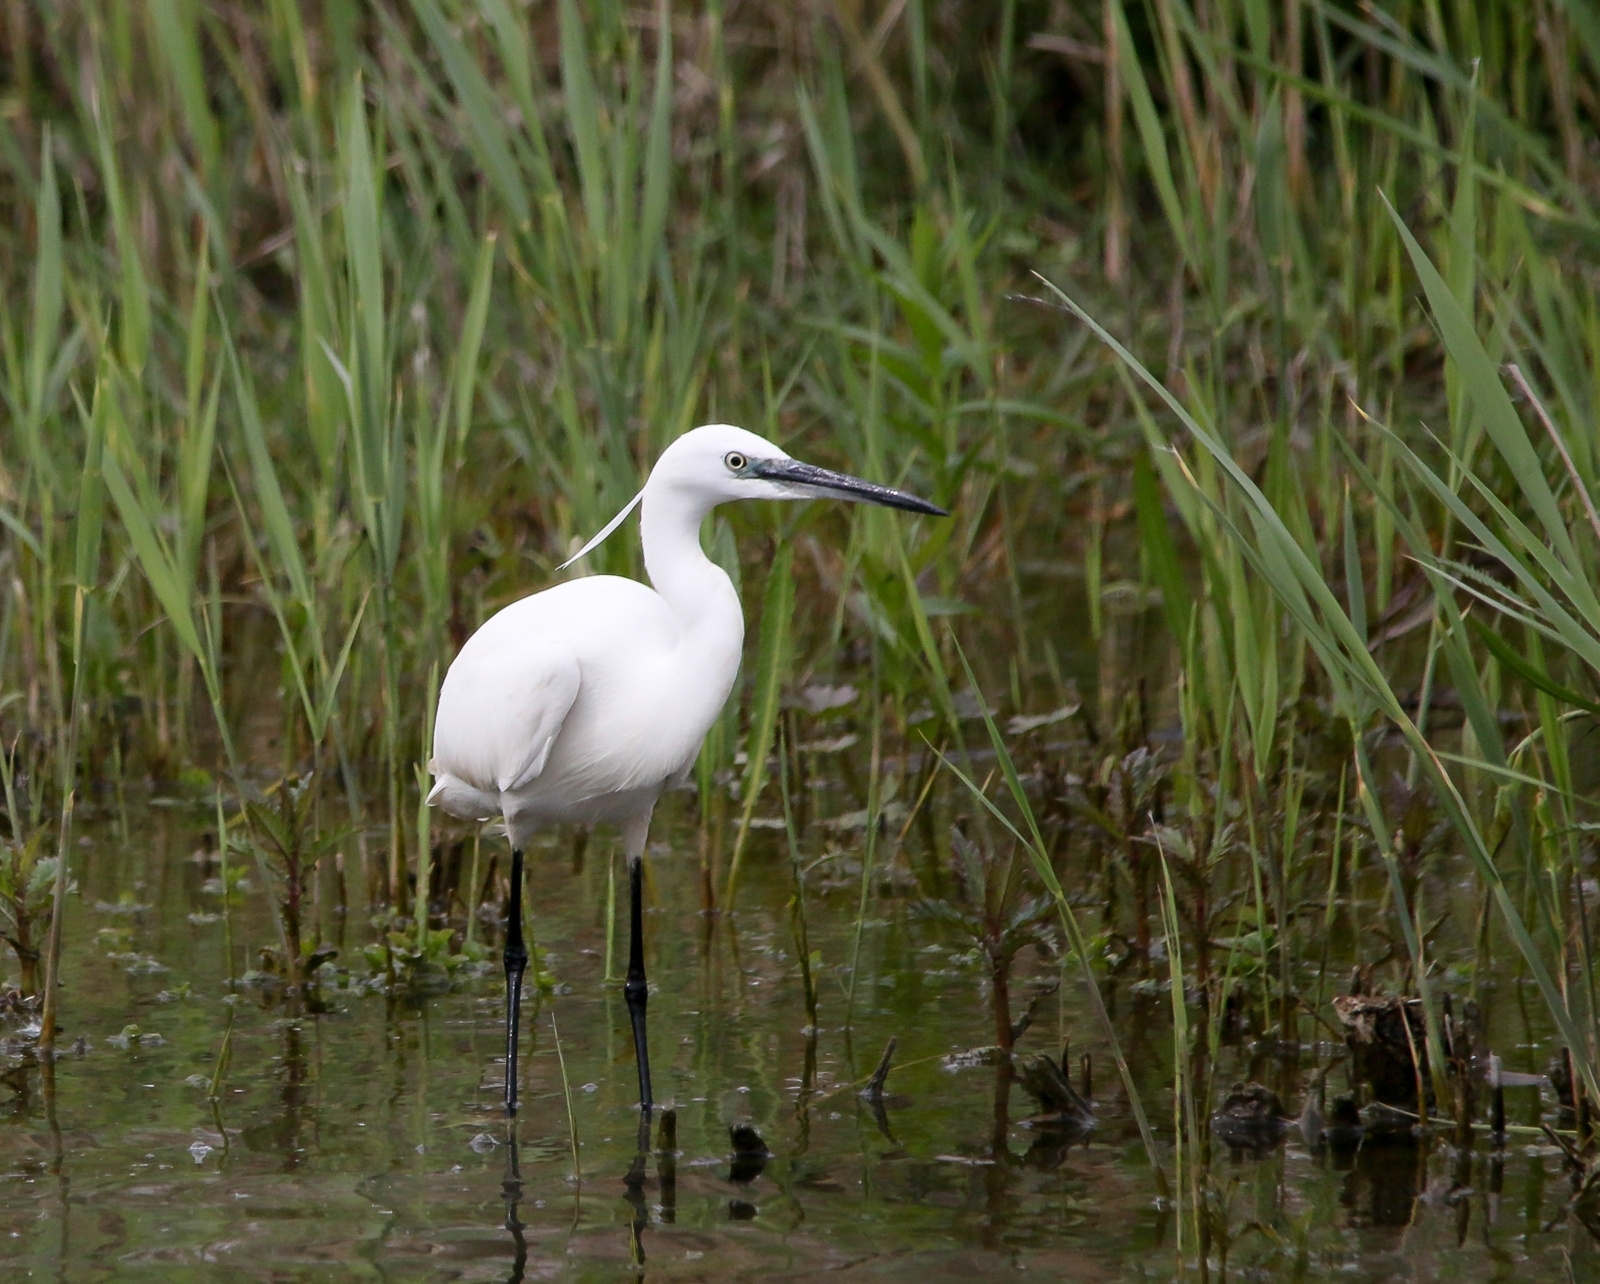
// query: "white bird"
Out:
[589,700]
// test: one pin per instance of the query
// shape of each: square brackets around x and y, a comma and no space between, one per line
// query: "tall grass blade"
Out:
[86,569]
[658,155]
[48,293]
[134,296]
[473,324]
[1151,135]
[178,37]
[1160,551]
[772,652]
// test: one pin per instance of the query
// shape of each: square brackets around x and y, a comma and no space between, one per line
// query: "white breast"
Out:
[581,702]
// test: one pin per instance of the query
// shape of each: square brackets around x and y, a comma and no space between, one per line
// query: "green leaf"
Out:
[1355,586]
[134,296]
[1160,550]
[178,37]
[154,560]
[472,328]
[275,514]
[15,525]
[658,154]
[1151,135]
[1526,669]
[91,493]
[47,290]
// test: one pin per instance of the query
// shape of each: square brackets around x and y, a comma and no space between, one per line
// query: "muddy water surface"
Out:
[359,1136]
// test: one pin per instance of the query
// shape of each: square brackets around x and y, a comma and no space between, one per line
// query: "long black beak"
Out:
[823,483]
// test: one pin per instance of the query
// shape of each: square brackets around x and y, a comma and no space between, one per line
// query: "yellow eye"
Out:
[735,461]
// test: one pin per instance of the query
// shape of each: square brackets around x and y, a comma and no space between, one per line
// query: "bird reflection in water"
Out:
[511,1189]
[633,1187]
[666,1155]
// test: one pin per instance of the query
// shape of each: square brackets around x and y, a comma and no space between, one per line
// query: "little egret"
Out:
[585,702]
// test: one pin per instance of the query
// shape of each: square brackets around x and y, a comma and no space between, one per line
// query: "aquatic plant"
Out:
[27,884]
[281,831]
[993,906]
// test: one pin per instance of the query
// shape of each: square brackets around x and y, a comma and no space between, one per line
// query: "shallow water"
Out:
[366,1141]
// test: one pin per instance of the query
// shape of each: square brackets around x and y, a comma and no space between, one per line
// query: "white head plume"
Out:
[601,537]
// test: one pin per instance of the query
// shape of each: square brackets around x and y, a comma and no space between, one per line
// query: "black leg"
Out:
[516,959]
[635,990]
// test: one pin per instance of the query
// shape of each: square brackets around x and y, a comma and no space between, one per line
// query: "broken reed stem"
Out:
[222,877]
[52,968]
[566,1092]
[69,772]
[797,913]
[424,814]
[1116,210]
[611,915]
[1497,1102]
[224,1056]
[874,1089]
[871,835]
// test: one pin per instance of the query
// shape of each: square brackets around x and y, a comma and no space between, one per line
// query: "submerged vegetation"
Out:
[1255,350]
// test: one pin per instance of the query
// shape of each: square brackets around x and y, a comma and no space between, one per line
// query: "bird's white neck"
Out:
[696,588]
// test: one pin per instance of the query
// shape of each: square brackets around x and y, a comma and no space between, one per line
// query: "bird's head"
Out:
[722,463]
[719,463]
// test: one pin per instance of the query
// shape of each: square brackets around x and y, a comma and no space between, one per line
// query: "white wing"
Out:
[500,709]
